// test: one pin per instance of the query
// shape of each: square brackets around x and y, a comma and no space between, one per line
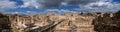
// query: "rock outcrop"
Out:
[107,23]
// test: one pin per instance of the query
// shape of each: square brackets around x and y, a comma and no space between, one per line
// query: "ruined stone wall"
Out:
[107,23]
[4,23]
[69,22]
[50,22]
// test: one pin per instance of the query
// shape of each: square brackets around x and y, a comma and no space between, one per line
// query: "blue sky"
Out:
[61,6]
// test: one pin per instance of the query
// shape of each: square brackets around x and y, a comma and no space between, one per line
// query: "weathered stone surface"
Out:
[107,23]
[69,22]
[50,22]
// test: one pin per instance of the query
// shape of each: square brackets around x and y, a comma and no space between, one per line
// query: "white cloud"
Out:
[64,3]
[58,11]
[80,2]
[54,3]
[16,12]
[31,12]
[6,4]
[30,3]
[88,5]
[101,6]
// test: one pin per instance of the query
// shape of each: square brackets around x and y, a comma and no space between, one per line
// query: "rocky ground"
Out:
[69,22]
[107,24]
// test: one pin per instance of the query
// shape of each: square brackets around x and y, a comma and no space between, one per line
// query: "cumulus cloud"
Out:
[85,5]
[58,11]
[101,6]
[54,3]
[51,3]
[6,4]
[42,3]
[78,2]
[30,3]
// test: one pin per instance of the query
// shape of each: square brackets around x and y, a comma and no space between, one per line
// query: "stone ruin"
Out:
[69,22]
[107,23]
